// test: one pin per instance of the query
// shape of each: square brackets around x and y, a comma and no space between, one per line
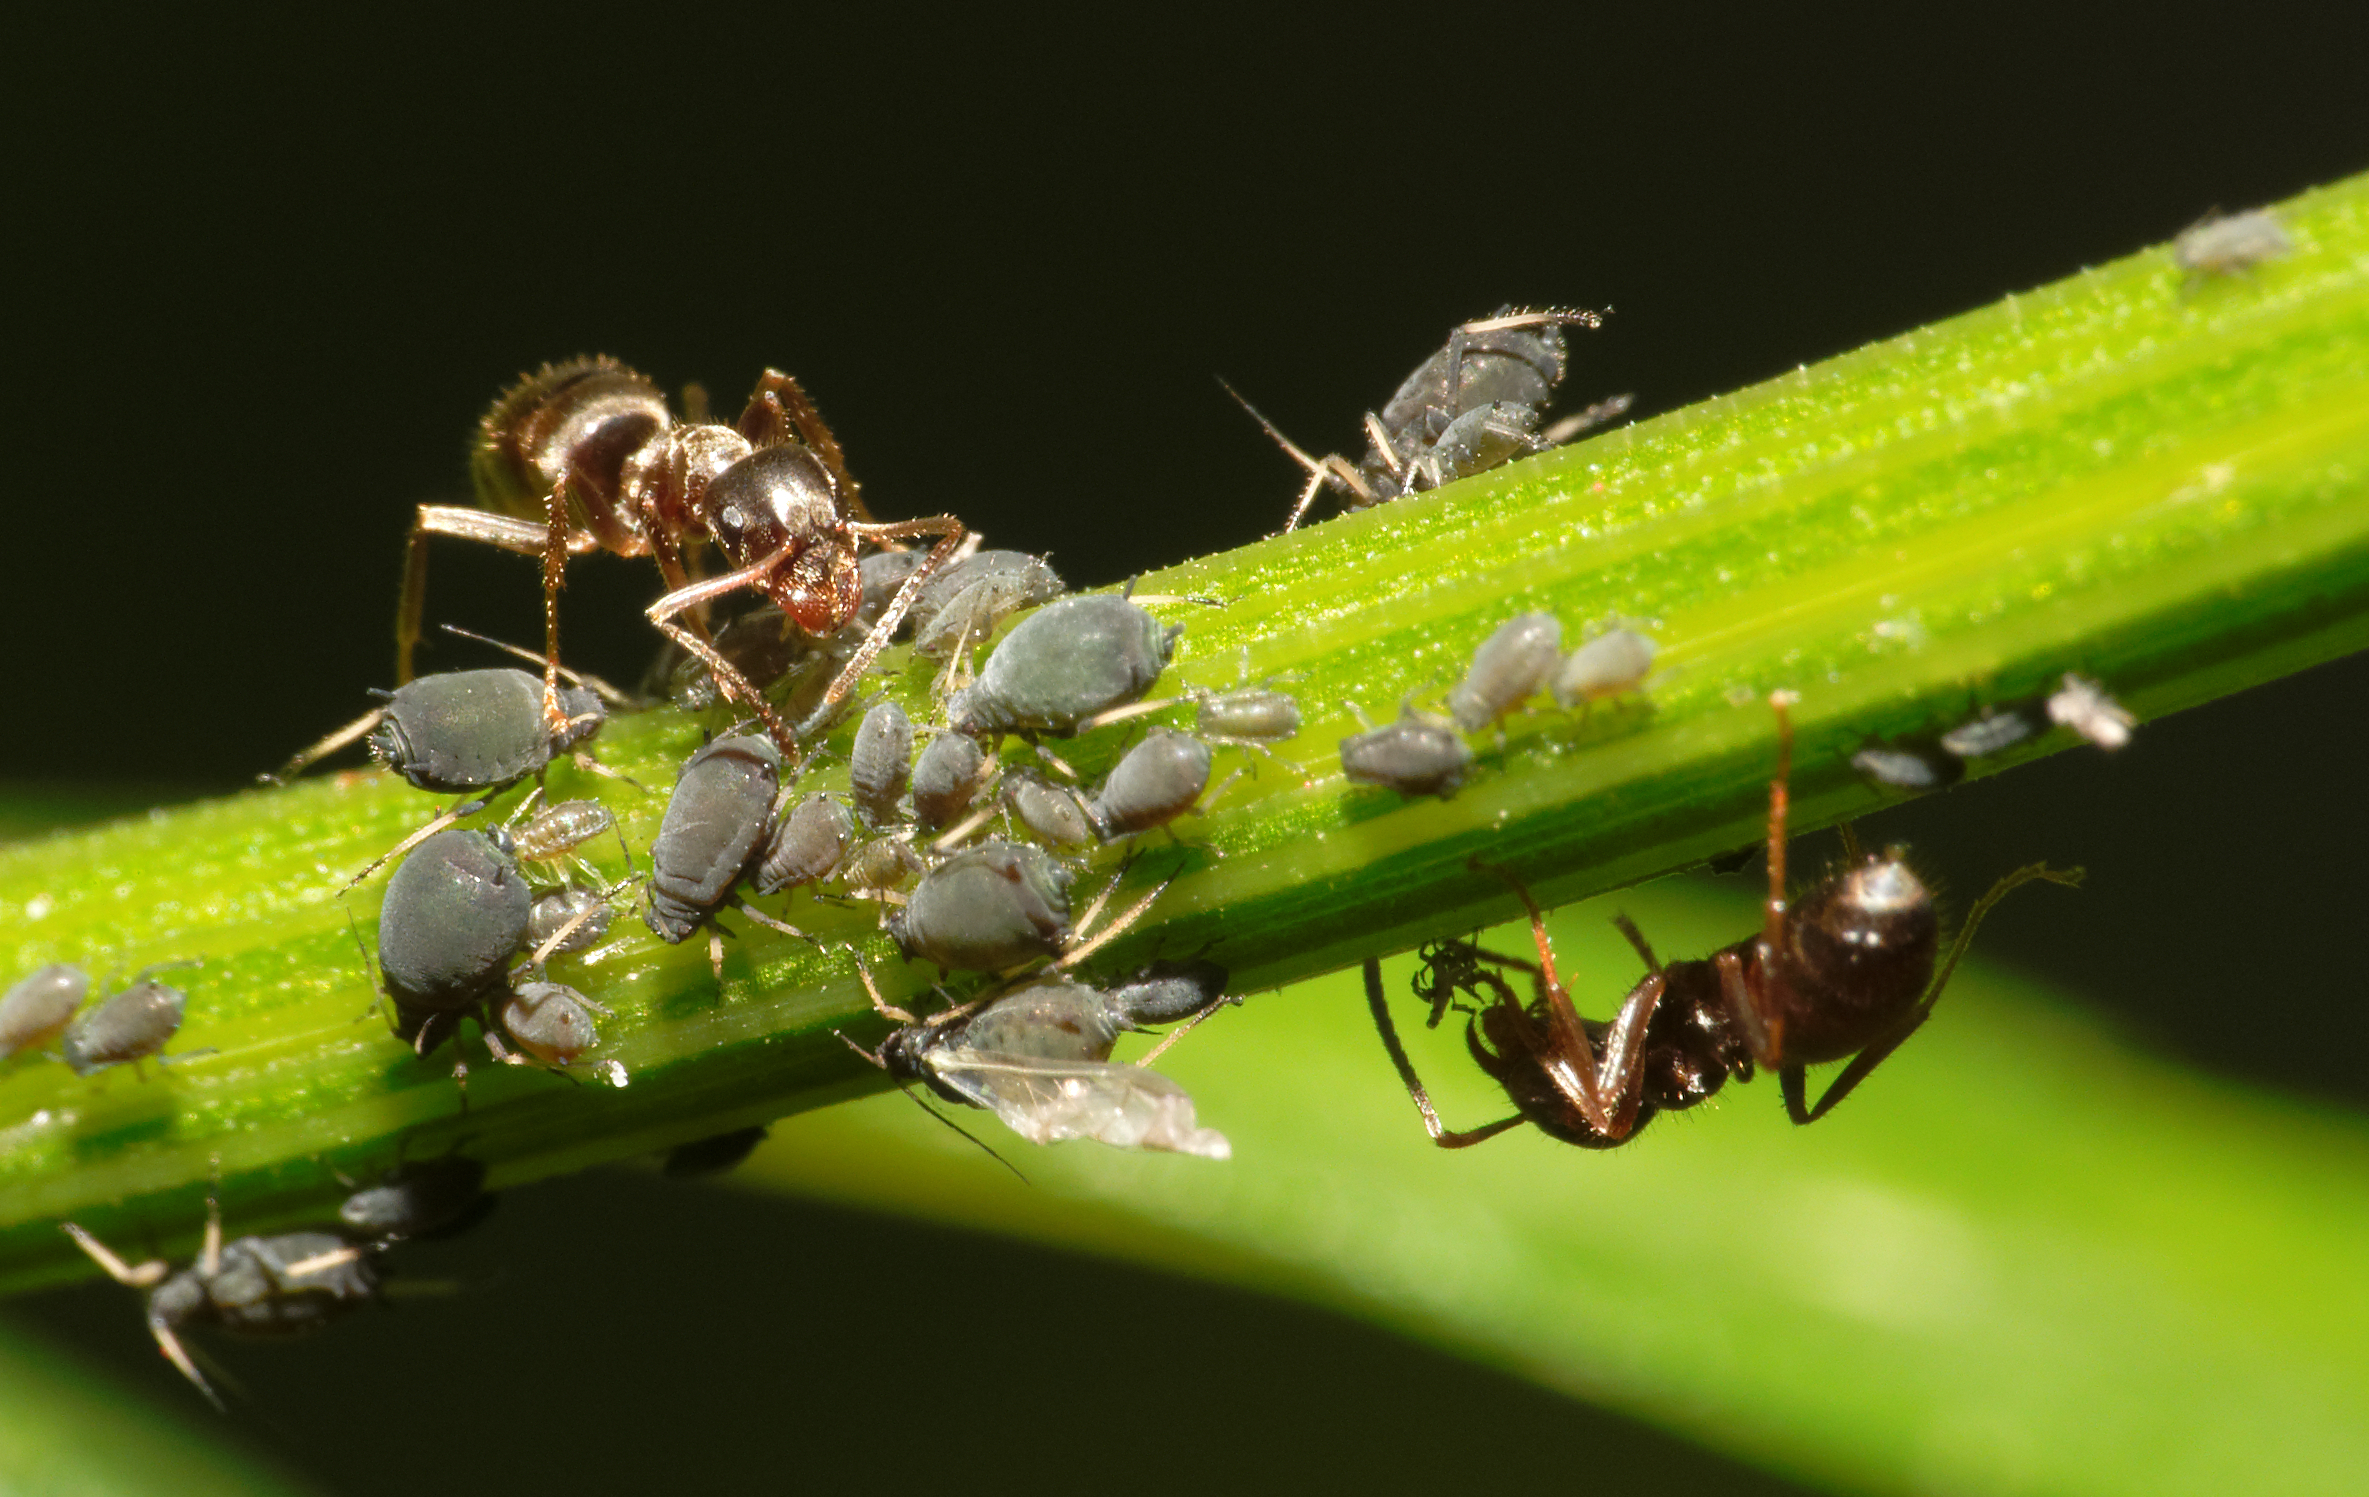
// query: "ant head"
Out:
[1870,928]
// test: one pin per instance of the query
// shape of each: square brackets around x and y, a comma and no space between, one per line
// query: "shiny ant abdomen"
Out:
[1848,972]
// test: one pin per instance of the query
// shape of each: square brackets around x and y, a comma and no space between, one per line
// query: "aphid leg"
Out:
[1055,762]
[769,922]
[886,1009]
[525,537]
[334,1258]
[715,954]
[1187,1027]
[1112,931]
[313,753]
[1441,1133]
[1793,1077]
[177,1354]
[1611,408]
[1853,853]
[459,810]
[787,401]
[870,1055]
[144,1276]
[954,835]
[209,1254]
[950,534]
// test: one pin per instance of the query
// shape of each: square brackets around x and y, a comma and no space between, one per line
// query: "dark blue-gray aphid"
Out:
[807,846]
[1065,664]
[425,1198]
[987,908]
[880,764]
[456,910]
[964,602]
[126,1028]
[715,822]
[945,778]
[477,730]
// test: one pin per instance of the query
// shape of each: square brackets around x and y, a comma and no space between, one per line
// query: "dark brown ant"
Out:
[1847,972]
[584,456]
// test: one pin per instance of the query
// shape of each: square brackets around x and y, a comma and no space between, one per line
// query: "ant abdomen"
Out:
[580,420]
[1859,953]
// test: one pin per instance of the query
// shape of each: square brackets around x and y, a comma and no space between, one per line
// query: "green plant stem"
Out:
[2158,484]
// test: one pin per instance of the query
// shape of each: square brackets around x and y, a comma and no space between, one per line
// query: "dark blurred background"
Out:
[269,276]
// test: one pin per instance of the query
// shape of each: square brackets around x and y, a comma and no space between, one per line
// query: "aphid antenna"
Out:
[460,809]
[378,991]
[594,684]
[923,1103]
[781,926]
[1611,408]
[954,836]
[1330,470]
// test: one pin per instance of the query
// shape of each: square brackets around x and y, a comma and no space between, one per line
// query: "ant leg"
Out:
[555,577]
[1874,1055]
[1628,927]
[728,678]
[1772,927]
[525,537]
[787,398]
[950,534]
[1607,1089]
[313,753]
[1441,1133]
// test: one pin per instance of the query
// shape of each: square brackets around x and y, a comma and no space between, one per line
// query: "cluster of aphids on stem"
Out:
[781,592]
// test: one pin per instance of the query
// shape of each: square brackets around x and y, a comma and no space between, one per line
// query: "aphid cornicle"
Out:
[256,1286]
[1416,755]
[584,456]
[1511,666]
[1066,664]
[987,908]
[1845,972]
[126,1027]
[38,1008]
[1038,1057]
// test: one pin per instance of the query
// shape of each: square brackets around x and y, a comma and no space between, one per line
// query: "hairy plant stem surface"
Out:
[2156,483]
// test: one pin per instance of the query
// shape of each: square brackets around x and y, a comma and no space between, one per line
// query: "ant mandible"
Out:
[1846,972]
[584,456]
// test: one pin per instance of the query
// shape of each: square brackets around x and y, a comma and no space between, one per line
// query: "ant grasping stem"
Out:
[1847,972]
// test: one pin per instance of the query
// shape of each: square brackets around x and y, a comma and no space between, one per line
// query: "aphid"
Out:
[128,1027]
[2230,246]
[1612,664]
[583,914]
[1909,765]
[718,819]
[1051,812]
[882,863]
[713,1155]
[464,731]
[1473,405]
[987,908]
[1847,971]
[1064,666]
[807,846]
[762,644]
[550,1021]
[2082,705]
[584,456]
[880,764]
[1159,780]
[1252,717]
[431,1198]
[38,1008]
[969,597]
[948,774]
[559,829]
[1510,667]
[456,911]
[256,1286]
[1995,730]
[1416,755]
[1038,1057]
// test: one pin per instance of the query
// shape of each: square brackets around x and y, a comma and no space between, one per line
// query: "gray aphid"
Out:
[1051,812]
[1994,731]
[808,846]
[549,1021]
[2227,246]
[456,910]
[1251,715]
[560,828]
[987,908]
[38,1009]
[880,763]
[966,600]
[1067,662]
[1416,755]
[1612,663]
[1908,766]
[475,730]
[948,774]
[419,1200]
[129,1026]
[551,913]
[715,822]
[1511,666]
[1158,781]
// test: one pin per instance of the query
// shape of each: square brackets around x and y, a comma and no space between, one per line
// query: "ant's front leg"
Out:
[1441,1134]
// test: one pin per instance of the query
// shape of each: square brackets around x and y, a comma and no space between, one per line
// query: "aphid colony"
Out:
[1916,765]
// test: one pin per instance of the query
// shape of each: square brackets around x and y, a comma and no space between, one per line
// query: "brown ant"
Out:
[584,456]
[1846,972]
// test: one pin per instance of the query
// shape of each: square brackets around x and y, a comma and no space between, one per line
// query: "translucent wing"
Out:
[1046,1101]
